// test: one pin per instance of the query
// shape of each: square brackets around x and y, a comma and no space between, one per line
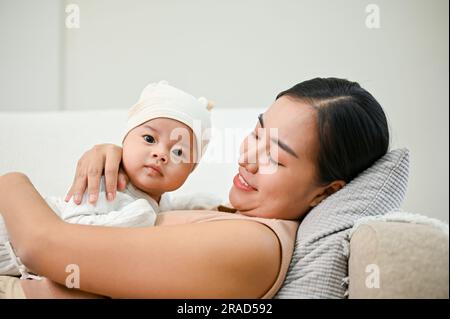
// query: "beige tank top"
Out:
[285,230]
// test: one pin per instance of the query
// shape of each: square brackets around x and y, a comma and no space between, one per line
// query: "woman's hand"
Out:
[101,158]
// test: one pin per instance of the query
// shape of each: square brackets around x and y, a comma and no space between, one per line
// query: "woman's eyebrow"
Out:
[281,144]
[284,147]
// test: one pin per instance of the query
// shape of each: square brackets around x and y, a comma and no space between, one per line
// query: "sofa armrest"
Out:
[398,260]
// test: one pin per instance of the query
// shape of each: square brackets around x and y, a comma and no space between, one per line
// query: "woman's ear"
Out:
[326,191]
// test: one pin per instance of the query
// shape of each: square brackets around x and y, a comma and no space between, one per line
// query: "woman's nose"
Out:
[250,151]
[250,164]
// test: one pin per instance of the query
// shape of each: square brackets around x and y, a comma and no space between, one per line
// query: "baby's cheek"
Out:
[126,164]
[130,164]
[178,176]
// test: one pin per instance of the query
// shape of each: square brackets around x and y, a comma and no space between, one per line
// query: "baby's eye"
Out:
[177,152]
[149,139]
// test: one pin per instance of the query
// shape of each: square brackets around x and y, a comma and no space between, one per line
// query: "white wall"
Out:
[241,54]
[30,54]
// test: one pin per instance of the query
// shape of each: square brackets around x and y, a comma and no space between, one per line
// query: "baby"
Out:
[164,138]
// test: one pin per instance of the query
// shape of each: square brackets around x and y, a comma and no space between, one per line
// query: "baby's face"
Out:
[159,155]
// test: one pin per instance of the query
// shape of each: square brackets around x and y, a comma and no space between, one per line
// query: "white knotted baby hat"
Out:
[163,100]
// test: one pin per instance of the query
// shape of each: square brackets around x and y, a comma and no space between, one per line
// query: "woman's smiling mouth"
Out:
[242,184]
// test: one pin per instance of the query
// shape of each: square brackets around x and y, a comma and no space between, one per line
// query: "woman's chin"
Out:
[234,198]
[239,200]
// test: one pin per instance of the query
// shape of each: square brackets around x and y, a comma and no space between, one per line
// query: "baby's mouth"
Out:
[153,170]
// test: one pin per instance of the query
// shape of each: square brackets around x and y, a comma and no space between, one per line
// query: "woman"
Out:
[329,130]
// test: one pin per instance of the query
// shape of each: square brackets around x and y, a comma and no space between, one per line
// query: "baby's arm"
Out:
[138,213]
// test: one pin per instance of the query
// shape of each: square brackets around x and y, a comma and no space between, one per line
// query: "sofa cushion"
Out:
[398,260]
[320,261]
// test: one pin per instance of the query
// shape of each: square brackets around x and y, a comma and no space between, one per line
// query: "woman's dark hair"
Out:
[353,130]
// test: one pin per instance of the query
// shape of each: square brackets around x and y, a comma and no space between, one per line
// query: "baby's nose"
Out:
[161,156]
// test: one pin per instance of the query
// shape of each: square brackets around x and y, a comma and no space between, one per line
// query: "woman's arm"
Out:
[226,259]
[47,289]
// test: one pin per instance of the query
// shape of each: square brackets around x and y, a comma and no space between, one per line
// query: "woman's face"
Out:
[278,175]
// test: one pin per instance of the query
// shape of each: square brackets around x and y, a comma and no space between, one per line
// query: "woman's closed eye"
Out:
[255,135]
[271,159]
[274,161]
[149,139]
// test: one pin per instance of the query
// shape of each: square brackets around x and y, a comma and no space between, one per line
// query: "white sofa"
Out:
[47,145]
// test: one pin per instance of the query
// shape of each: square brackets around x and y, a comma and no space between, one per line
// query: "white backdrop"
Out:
[239,54]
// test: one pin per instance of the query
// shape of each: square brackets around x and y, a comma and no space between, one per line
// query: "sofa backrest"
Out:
[47,145]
